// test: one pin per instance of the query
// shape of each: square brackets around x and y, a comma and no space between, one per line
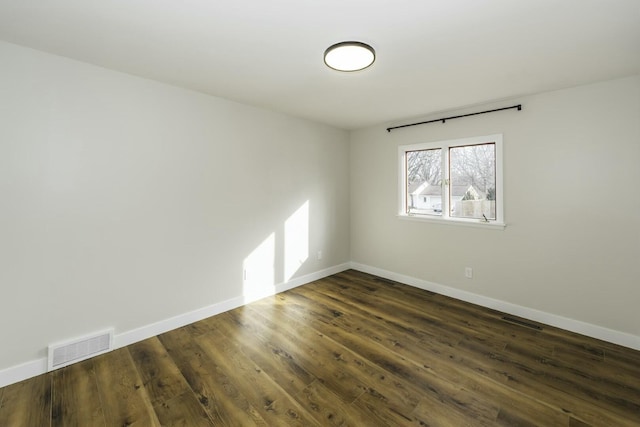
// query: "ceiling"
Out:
[432,55]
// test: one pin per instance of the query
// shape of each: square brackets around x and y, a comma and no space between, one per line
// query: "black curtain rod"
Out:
[444,119]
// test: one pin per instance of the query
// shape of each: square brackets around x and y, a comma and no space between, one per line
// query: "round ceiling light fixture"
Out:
[349,56]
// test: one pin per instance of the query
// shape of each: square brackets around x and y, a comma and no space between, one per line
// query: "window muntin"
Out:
[456,180]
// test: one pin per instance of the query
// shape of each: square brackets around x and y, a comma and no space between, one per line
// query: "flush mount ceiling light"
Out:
[349,56]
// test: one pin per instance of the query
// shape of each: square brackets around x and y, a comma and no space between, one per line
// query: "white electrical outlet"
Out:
[319,255]
[468,272]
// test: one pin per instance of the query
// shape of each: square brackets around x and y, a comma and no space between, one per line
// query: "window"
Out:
[458,180]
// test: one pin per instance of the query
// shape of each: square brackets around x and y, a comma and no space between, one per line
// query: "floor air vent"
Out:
[66,353]
[522,323]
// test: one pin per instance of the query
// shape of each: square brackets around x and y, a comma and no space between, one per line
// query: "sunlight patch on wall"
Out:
[258,270]
[296,241]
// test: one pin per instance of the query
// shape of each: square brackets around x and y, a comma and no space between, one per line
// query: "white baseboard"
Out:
[23,371]
[588,329]
[148,331]
[36,367]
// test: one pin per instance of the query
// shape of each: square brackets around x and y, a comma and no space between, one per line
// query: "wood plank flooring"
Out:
[350,349]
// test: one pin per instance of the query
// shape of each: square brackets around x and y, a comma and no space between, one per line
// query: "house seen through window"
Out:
[458,180]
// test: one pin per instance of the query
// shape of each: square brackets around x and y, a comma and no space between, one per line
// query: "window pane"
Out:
[472,175]
[424,182]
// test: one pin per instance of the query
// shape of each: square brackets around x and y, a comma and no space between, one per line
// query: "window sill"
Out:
[461,222]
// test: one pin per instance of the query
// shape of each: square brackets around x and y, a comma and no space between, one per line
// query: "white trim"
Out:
[142,333]
[312,277]
[460,221]
[588,329]
[23,371]
[36,367]
[126,338]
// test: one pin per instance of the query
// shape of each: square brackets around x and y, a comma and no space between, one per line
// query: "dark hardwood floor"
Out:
[350,349]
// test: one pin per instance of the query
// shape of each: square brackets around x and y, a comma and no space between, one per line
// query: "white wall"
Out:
[124,202]
[572,244]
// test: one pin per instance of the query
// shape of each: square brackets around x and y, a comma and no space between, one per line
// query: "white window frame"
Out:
[445,217]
